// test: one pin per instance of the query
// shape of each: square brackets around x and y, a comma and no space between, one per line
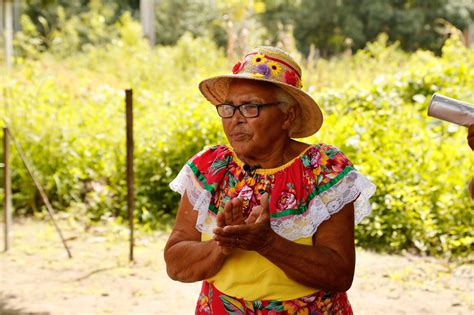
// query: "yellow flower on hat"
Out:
[258,75]
[258,59]
[274,67]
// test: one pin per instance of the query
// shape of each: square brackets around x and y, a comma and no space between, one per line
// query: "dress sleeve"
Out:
[330,181]
[338,183]
[199,178]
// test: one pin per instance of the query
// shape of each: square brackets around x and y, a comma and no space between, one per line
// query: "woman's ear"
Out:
[290,116]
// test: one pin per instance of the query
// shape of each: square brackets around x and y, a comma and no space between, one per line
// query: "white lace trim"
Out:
[200,198]
[353,185]
[292,227]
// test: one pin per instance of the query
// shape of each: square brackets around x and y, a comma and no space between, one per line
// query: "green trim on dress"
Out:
[313,194]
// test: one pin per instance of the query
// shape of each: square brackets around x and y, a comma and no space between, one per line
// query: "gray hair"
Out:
[288,101]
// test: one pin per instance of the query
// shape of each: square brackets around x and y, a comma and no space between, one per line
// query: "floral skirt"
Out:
[212,301]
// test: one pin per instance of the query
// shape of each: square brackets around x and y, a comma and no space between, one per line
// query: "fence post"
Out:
[130,173]
[7,202]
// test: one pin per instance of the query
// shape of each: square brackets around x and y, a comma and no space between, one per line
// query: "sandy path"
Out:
[37,277]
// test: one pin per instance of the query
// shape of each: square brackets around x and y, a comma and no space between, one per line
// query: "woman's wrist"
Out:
[222,252]
[271,244]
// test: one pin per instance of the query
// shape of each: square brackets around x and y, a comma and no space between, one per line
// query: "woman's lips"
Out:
[238,136]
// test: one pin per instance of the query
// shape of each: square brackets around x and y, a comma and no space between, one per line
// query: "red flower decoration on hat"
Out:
[237,67]
[291,78]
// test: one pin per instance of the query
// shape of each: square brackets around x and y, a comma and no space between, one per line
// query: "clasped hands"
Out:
[253,233]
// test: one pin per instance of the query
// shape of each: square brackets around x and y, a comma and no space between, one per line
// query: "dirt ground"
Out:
[37,277]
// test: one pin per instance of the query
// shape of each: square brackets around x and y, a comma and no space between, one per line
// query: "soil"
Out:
[37,277]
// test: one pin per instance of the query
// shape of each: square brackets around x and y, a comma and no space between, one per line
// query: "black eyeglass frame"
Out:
[247,105]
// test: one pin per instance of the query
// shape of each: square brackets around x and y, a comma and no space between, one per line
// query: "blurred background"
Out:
[372,65]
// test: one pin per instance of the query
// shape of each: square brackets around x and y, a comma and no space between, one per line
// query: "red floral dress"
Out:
[303,193]
[212,301]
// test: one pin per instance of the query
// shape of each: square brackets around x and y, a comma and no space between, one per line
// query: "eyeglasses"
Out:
[247,110]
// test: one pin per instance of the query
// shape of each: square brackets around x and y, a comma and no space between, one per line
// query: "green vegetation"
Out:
[66,109]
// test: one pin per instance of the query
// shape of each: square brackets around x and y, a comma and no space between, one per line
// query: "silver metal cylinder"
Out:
[452,110]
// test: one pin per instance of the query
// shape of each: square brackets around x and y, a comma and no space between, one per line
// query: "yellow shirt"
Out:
[249,275]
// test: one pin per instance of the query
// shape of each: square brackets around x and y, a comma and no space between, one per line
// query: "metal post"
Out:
[1,18]
[9,32]
[147,18]
[16,15]
[7,202]
[130,174]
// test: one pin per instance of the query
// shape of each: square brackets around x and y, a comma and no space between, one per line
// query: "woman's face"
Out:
[254,137]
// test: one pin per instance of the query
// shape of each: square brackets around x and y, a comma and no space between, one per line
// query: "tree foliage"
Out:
[334,26]
[198,17]
[328,27]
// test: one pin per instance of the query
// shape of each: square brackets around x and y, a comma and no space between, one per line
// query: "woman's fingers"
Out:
[260,212]
[265,212]
[247,236]
[220,219]
[230,231]
[233,212]
[229,235]
[254,214]
[237,216]
[228,213]
[255,235]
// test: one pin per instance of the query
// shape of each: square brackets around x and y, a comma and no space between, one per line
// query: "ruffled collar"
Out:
[267,171]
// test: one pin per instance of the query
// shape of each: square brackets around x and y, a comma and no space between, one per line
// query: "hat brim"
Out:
[215,90]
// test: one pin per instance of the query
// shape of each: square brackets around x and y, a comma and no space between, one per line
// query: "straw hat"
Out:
[276,66]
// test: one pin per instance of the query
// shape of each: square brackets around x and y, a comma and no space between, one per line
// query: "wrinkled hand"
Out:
[470,136]
[255,235]
[232,215]
[258,213]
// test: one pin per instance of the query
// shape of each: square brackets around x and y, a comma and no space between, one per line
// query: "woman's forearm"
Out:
[329,263]
[187,258]
[190,261]
[316,266]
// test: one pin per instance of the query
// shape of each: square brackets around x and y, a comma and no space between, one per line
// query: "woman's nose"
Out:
[238,117]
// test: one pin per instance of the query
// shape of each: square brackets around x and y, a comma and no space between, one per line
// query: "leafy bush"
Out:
[419,164]
[68,114]
[65,27]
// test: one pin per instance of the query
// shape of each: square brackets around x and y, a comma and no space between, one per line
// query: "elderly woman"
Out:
[267,222]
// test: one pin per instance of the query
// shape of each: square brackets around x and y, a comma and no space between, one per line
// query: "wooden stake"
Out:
[7,185]
[49,207]
[130,173]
